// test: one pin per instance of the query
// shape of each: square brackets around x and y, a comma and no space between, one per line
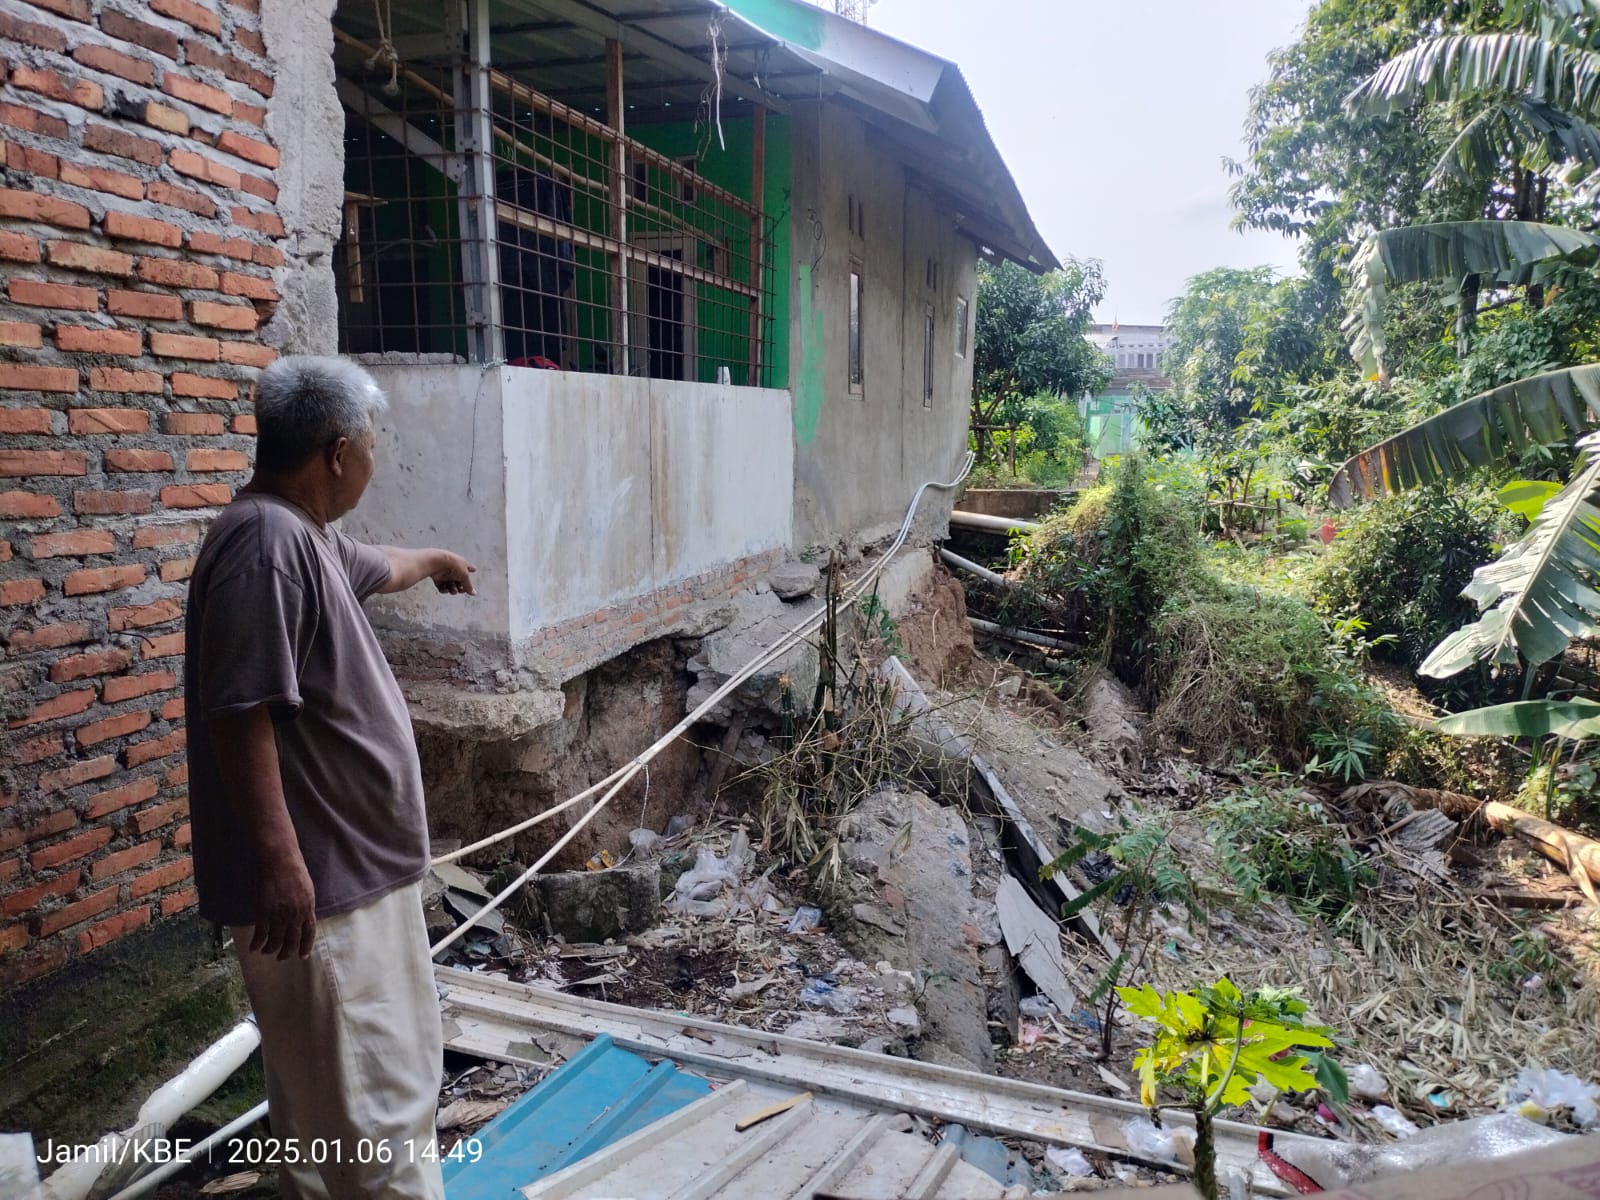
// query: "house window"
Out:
[961,326]
[856,294]
[927,358]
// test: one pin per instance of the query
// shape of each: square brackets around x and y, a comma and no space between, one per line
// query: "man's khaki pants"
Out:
[353,1051]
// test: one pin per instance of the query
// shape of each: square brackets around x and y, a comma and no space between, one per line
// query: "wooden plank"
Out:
[637,151]
[772,1110]
[564,232]
[618,186]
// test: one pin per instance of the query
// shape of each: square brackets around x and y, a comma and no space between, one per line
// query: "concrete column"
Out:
[305,121]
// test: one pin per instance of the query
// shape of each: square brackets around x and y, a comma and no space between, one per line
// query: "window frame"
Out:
[855,331]
[963,318]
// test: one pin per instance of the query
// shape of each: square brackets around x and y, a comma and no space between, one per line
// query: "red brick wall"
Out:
[138,237]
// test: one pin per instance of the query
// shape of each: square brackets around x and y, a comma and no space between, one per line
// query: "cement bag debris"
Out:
[1482,1139]
[1540,1093]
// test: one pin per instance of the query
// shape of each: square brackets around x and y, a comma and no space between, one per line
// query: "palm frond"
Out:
[1536,598]
[1552,407]
[1506,251]
[1550,64]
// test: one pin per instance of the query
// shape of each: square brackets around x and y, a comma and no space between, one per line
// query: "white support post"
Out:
[480,258]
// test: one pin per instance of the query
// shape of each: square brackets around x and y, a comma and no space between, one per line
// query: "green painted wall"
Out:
[723,320]
[730,167]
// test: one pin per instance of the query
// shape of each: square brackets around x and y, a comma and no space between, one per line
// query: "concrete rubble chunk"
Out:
[591,906]
[793,580]
[760,621]
[482,716]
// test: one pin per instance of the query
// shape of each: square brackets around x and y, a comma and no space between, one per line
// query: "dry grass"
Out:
[1428,989]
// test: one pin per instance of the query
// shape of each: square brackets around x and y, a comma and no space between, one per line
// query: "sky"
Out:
[1114,120]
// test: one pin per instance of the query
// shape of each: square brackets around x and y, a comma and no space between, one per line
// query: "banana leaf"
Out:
[1573,719]
[1537,597]
[1549,64]
[1446,250]
[1552,407]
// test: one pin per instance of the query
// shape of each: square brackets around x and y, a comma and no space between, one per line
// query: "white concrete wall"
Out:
[571,492]
[618,487]
[440,480]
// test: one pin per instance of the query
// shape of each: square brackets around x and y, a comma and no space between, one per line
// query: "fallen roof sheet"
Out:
[495,1018]
[599,1096]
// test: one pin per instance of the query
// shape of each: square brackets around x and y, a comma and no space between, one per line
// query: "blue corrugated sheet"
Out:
[599,1096]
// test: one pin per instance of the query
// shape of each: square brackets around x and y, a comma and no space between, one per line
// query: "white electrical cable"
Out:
[616,781]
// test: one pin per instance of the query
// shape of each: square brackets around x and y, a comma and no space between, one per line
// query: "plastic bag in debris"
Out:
[819,993]
[1069,1161]
[645,842]
[1038,1007]
[805,919]
[1367,1082]
[1538,1094]
[1483,1139]
[1394,1121]
[1145,1140]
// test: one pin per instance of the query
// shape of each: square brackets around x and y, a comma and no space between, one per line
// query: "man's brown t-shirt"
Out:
[275,619]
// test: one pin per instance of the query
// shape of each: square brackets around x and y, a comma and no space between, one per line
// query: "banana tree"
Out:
[1528,100]
[1538,83]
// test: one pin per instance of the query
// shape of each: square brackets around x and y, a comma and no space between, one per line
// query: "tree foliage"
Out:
[1031,338]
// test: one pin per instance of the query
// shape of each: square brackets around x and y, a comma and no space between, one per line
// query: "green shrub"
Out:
[1109,564]
[1273,840]
[1227,670]
[1400,565]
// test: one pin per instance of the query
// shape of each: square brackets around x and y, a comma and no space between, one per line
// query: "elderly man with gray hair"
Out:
[310,839]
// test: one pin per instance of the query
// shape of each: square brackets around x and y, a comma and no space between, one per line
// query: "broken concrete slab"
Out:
[794,580]
[481,716]
[591,906]
[760,621]
[925,887]
[1113,719]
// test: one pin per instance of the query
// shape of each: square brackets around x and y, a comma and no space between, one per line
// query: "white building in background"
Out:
[1133,353]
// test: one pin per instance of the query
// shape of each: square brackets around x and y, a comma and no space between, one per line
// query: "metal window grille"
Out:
[487,221]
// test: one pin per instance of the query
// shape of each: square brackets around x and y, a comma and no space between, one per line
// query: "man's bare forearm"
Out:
[407,568]
[246,750]
[247,759]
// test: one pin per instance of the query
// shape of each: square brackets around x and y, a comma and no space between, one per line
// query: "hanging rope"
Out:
[385,55]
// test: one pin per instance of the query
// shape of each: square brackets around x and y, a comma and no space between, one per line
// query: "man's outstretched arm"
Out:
[450,573]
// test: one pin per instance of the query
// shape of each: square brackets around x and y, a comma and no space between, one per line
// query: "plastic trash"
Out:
[1144,1139]
[1333,1164]
[1540,1093]
[644,841]
[1040,1008]
[805,919]
[1069,1161]
[1367,1082]
[819,993]
[1393,1121]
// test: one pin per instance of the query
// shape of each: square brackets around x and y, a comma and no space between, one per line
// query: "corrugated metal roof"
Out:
[598,1097]
[774,52]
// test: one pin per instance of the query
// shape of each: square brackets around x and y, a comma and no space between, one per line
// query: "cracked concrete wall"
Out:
[305,119]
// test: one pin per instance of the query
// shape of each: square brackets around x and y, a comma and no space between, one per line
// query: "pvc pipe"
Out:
[146,1182]
[112,1161]
[1024,636]
[972,568]
[988,524]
